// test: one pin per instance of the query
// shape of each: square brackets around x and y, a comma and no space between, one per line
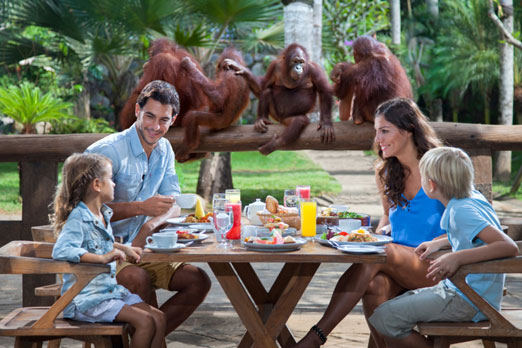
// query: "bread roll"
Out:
[272,204]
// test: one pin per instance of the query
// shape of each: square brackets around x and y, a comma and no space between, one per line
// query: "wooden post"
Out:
[482,164]
[37,182]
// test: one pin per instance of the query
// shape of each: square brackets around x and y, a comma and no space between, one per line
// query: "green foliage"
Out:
[81,125]
[257,175]
[345,20]
[466,52]
[10,201]
[27,105]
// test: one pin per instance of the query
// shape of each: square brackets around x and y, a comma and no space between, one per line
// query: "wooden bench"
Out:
[33,325]
[504,326]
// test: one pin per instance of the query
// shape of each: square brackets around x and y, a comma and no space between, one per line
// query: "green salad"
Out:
[349,215]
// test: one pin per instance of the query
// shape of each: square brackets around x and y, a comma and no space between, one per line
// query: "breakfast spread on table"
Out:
[359,235]
[274,238]
[186,234]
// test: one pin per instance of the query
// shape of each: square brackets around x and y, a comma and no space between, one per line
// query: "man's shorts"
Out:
[160,272]
[397,317]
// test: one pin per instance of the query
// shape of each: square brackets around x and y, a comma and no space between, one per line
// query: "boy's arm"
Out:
[498,245]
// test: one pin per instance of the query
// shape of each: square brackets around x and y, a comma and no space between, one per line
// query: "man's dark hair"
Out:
[161,91]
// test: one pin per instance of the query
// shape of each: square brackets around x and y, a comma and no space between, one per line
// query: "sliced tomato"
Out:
[343,233]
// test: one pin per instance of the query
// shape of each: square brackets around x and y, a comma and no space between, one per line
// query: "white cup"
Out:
[248,231]
[163,240]
[186,200]
[348,225]
[338,208]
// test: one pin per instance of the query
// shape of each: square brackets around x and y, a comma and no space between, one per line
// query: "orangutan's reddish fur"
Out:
[376,76]
[228,97]
[164,64]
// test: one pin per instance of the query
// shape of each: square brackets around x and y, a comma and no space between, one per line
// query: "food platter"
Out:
[361,249]
[178,221]
[275,247]
[381,240]
[201,237]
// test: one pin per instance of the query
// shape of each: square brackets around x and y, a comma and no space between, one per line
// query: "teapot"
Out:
[251,210]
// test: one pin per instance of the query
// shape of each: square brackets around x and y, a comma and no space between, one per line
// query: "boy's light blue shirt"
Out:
[84,233]
[137,177]
[464,219]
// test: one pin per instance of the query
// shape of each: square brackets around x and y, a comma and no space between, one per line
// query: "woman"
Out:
[403,135]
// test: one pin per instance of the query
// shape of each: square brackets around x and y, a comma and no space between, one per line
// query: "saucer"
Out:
[156,249]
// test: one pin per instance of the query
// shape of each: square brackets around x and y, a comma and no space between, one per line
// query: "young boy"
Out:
[474,234]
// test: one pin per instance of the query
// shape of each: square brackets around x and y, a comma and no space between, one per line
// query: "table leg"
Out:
[276,306]
[242,304]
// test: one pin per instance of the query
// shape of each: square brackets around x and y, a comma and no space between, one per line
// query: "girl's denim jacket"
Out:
[83,233]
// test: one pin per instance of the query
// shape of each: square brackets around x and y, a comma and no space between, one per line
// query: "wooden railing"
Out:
[39,156]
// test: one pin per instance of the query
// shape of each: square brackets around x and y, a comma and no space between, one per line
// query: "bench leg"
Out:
[24,342]
[440,342]
[515,343]
[54,343]
[488,343]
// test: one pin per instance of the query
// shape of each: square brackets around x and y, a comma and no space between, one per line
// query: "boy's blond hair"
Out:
[451,169]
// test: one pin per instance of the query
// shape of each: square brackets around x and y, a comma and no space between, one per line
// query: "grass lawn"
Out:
[256,175]
[500,188]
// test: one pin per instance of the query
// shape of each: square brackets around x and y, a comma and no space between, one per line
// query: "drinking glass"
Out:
[233,195]
[308,218]
[303,191]
[291,199]
[217,196]
[235,231]
[223,221]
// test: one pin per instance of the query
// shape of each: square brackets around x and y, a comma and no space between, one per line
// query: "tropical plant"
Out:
[27,105]
[345,20]
[81,125]
[466,55]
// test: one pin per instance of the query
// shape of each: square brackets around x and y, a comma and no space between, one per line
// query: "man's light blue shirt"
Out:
[137,177]
[464,219]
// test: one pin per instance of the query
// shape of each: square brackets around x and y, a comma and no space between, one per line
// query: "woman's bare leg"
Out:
[381,289]
[402,265]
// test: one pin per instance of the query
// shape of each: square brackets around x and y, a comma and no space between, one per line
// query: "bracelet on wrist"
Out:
[319,333]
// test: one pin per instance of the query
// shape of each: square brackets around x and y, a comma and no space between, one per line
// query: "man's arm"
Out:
[154,224]
[154,206]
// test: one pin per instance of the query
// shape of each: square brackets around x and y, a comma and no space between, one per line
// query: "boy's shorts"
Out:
[160,272]
[397,317]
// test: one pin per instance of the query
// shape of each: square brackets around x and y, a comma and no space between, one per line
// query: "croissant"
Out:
[272,205]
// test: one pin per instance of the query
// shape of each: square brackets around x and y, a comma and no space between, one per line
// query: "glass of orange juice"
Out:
[308,217]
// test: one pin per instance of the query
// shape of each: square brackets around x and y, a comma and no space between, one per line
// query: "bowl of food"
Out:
[365,218]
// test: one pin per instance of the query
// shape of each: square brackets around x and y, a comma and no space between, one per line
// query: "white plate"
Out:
[381,240]
[178,221]
[201,238]
[156,249]
[361,249]
[276,247]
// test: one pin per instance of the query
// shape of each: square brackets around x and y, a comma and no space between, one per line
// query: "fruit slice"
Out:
[200,211]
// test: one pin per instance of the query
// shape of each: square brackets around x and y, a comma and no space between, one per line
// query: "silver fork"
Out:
[333,244]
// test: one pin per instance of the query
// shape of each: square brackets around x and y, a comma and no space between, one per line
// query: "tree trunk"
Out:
[503,159]
[215,175]
[436,110]
[395,9]
[299,25]
[433,8]
[82,105]
[317,43]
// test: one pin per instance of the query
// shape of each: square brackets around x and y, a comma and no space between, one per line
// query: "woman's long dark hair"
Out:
[405,115]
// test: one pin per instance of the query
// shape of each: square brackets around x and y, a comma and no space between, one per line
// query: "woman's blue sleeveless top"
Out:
[417,221]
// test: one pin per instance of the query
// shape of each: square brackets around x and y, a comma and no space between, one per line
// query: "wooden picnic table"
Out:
[263,313]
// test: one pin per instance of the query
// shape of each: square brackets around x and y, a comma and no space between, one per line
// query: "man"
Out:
[146,181]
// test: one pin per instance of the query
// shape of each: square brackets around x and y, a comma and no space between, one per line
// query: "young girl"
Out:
[85,235]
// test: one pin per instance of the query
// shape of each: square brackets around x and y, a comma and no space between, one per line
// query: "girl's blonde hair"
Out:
[451,169]
[79,170]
